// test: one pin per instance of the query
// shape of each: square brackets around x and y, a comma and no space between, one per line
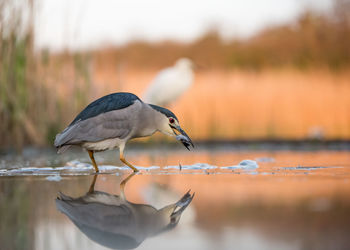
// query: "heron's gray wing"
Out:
[113,226]
[113,124]
[103,217]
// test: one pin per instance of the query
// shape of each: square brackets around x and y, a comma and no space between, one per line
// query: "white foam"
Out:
[71,167]
[79,168]
[55,177]
[148,168]
[196,166]
[78,164]
[245,165]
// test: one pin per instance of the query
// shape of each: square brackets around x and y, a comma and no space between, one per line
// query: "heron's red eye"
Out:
[171,120]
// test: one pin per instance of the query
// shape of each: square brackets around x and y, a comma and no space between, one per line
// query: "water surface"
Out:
[244,199]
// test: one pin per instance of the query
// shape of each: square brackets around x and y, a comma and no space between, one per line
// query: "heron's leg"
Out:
[121,156]
[122,184]
[128,164]
[91,154]
[92,186]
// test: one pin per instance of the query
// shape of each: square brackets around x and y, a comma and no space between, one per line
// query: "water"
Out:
[243,199]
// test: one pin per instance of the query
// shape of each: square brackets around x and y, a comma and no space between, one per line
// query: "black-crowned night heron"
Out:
[170,83]
[114,222]
[113,120]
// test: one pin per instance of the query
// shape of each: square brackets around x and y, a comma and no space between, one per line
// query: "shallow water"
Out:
[244,199]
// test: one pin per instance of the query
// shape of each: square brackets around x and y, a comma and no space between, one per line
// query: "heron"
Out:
[112,120]
[114,222]
[170,83]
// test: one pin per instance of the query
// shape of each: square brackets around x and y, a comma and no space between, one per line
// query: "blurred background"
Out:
[232,71]
[265,70]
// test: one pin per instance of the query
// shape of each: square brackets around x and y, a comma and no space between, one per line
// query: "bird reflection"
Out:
[114,222]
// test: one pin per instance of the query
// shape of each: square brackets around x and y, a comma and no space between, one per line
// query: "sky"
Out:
[84,24]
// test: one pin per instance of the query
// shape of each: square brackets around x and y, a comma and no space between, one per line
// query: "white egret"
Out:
[170,83]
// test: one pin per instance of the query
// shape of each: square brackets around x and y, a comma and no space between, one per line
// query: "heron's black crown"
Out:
[164,111]
[105,104]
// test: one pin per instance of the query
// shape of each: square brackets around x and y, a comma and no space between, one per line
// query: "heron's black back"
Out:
[105,104]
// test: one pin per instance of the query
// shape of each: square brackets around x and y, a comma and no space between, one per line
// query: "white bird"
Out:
[170,83]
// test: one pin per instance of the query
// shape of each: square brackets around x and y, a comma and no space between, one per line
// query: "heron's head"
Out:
[169,124]
[171,214]
[185,63]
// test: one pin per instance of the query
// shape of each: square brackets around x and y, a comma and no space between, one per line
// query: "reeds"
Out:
[22,97]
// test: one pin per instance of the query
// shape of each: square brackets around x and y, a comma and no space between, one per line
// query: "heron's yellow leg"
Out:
[91,154]
[127,163]
[122,184]
[92,186]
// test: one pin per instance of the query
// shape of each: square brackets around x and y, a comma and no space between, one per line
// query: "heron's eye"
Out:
[171,120]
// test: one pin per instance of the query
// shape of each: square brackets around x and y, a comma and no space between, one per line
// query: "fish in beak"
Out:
[183,137]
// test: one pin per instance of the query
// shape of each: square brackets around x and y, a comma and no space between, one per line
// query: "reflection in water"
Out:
[298,200]
[114,222]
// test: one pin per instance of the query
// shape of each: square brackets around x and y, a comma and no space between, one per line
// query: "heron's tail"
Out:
[60,141]
[62,149]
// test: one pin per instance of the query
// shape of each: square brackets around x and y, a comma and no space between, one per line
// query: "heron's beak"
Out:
[184,138]
[174,211]
[181,205]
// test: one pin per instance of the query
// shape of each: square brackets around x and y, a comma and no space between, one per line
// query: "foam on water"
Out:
[74,167]
[244,165]
[196,166]
[55,177]
[139,168]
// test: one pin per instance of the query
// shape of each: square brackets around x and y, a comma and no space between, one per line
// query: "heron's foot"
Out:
[91,154]
[128,164]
